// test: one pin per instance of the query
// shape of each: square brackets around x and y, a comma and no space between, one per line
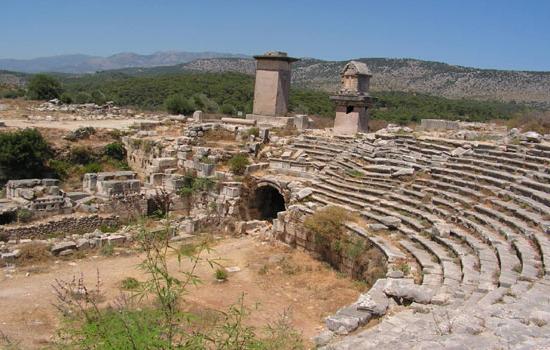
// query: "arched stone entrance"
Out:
[266,202]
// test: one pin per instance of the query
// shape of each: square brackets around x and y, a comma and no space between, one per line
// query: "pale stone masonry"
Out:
[353,99]
[272,88]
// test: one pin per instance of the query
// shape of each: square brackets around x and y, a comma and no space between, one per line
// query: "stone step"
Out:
[432,272]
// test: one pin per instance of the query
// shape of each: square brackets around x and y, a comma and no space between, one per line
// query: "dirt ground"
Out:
[13,113]
[274,279]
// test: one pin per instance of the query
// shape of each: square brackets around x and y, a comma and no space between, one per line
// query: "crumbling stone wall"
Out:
[368,265]
[72,225]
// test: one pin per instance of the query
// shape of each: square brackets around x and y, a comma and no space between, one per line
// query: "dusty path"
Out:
[274,278]
[73,125]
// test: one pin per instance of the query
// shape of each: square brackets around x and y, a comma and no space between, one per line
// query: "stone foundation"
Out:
[72,225]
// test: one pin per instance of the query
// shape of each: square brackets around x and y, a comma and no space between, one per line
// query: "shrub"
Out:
[92,168]
[81,155]
[24,215]
[129,283]
[327,221]
[66,98]
[115,150]
[238,164]
[253,131]
[178,104]
[98,97]
[61,168]
[221,274]
[227,109]
[43,87]
[26,147]
[82,97]
[108,228]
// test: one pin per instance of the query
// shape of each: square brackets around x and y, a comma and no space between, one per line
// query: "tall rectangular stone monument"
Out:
[271,89]
[353,100]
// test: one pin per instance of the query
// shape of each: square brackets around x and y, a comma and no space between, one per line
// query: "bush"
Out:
[253,131]
[92,168]
[221,274]
[178,104]
[98,97]
[66,98]
[327,222]
[26,147]
[82,97]
[227,109]
[81,155]
[61,168]
[238,164]
[43,87]
[115,150]
[24,215]
[129,283]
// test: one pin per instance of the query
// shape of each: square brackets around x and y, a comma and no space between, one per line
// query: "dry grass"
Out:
[34,252]
[377,124]
[536,121]
[218,135]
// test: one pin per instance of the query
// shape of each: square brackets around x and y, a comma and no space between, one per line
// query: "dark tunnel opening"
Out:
[268,202]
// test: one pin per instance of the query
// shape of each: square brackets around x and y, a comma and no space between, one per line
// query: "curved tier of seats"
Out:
[474,217]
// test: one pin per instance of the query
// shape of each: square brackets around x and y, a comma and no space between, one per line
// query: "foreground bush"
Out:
[166,325]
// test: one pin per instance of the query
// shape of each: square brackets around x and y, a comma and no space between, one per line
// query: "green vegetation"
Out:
[129,283]
[403,108]
[179,104]
[43,87]
[115,150]
[165,323]
[192,184]
[184,92]
[23,154]
[221,274]
[238,164]
[24,215]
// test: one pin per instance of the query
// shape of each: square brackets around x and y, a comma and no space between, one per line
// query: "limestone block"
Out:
[375,301]
[441,229]
[59,247]
[390,221]
[198,116]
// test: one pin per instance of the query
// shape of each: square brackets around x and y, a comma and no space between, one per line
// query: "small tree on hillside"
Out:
[43,87]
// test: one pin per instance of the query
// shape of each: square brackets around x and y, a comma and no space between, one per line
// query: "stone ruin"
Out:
[271,89]
[460,212]
[42,197]
[353,99]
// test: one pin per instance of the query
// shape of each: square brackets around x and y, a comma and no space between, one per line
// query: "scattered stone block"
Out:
[59,247]
[390,221]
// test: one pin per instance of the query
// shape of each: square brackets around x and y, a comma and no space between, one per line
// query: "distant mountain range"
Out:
[389,74]
[90,64]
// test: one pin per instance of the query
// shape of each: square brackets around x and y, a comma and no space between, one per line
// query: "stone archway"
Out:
[266,202]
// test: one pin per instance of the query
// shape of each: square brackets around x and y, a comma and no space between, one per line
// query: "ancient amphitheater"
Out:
[472,216]
[459,211]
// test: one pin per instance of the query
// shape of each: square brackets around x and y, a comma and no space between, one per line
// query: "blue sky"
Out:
[481,33]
